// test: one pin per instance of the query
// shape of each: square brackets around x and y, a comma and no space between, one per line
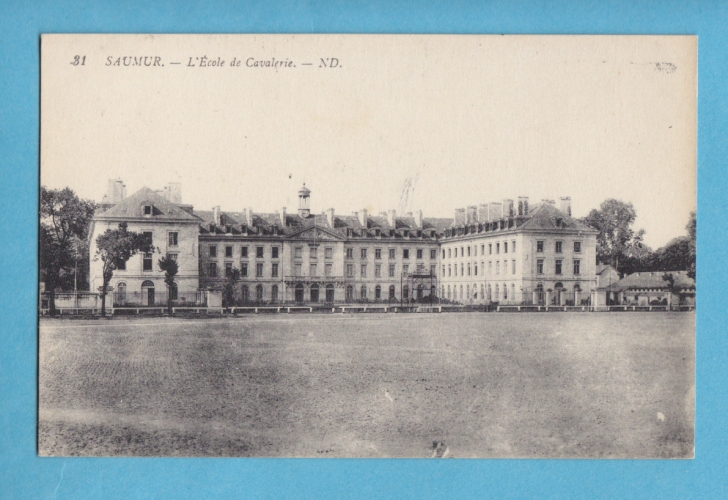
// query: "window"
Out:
[577,267]
[513,246]
[363,253]
[419,253]
[420,267]
[462,252]
[243,269]
[449,253]
[476,269]
[350,270]
[349,293]
[213,251]
[312,270]
[364,292]
[490,248]
[559,246]
[147,210]
[258,252]
[228,252]
[490,267]
[433,269]
[456,252]
[513,266]
[433,253]
[259,293]
[405,253]
[274,293]
[173,239]
[468,267]
[539,246]
[122,266]
[392,253]
[147,263]
[378,292]
[482,249]
[377,253]
[244,252]
[363,270]
[391,270]
[298,252]
[212,270]
[259,269]
[505,247]
[228,269]
[312,253]
[497,248]
[173,292]
[455,269]
[275,252]
[329,253]
[505,267]
[378,271]
[497,267]
[505,292]
[443,253]
[148,236]
[274,270]
[558,266]
[297,269]
[391,292]
[462,269]
[468,251]
[349,253]
[577,247]
[244,293]
[539,266]
[449,270]
[328,269]
[405,269]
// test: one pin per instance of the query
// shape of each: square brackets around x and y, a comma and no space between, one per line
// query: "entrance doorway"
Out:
[314,293]
[147,293]
[299,293]
[330,294]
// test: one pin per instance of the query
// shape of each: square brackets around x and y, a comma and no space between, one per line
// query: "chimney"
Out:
[392,218]
[550,202]
[174,192]
[216,215]
[459,216]
[116,191]
[418,219]
[483,212]
[330,217]
[249,217]
[495,210]
[363,217]
[523,205]
[472,214]
[565,205]
[508,208]
[283,217]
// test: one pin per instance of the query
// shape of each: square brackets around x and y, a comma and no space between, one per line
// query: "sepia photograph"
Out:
[367,246]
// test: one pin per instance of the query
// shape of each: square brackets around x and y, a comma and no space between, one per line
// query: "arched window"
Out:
[490,292]
[314,293]
[467,289]
[364,292]
[405,292]
[449,295]
[392,292]
[378,292]
[475,291]
[349,293]
[462,297]
[497,292]
[513,292]
[259,293]
[274,293]
[121,292]
[482,292]
[245,293]
[505,292]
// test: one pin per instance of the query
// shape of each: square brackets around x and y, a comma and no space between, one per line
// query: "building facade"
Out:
[495,253]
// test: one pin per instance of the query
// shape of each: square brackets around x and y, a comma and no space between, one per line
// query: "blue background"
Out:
[24,475]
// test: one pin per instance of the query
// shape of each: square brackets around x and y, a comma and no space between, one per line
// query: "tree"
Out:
[616,239]
[64,219]
[170,268]
[115,247]
[692,228]
[229,290]
[670,283]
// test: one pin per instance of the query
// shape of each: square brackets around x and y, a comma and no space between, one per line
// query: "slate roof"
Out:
[545,216]
[603,267]
[652,280]
[130,208]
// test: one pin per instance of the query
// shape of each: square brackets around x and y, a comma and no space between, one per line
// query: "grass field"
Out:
[370,385]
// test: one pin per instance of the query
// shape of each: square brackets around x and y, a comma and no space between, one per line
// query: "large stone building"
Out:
[495,253]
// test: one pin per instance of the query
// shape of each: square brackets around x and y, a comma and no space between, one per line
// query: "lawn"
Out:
[370,385]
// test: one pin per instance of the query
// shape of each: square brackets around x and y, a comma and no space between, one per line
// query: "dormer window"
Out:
[147,210]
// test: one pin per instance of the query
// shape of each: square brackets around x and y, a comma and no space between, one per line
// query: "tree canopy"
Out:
[616,239]
[64,223]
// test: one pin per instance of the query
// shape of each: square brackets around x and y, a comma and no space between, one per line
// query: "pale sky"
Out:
[470,119]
